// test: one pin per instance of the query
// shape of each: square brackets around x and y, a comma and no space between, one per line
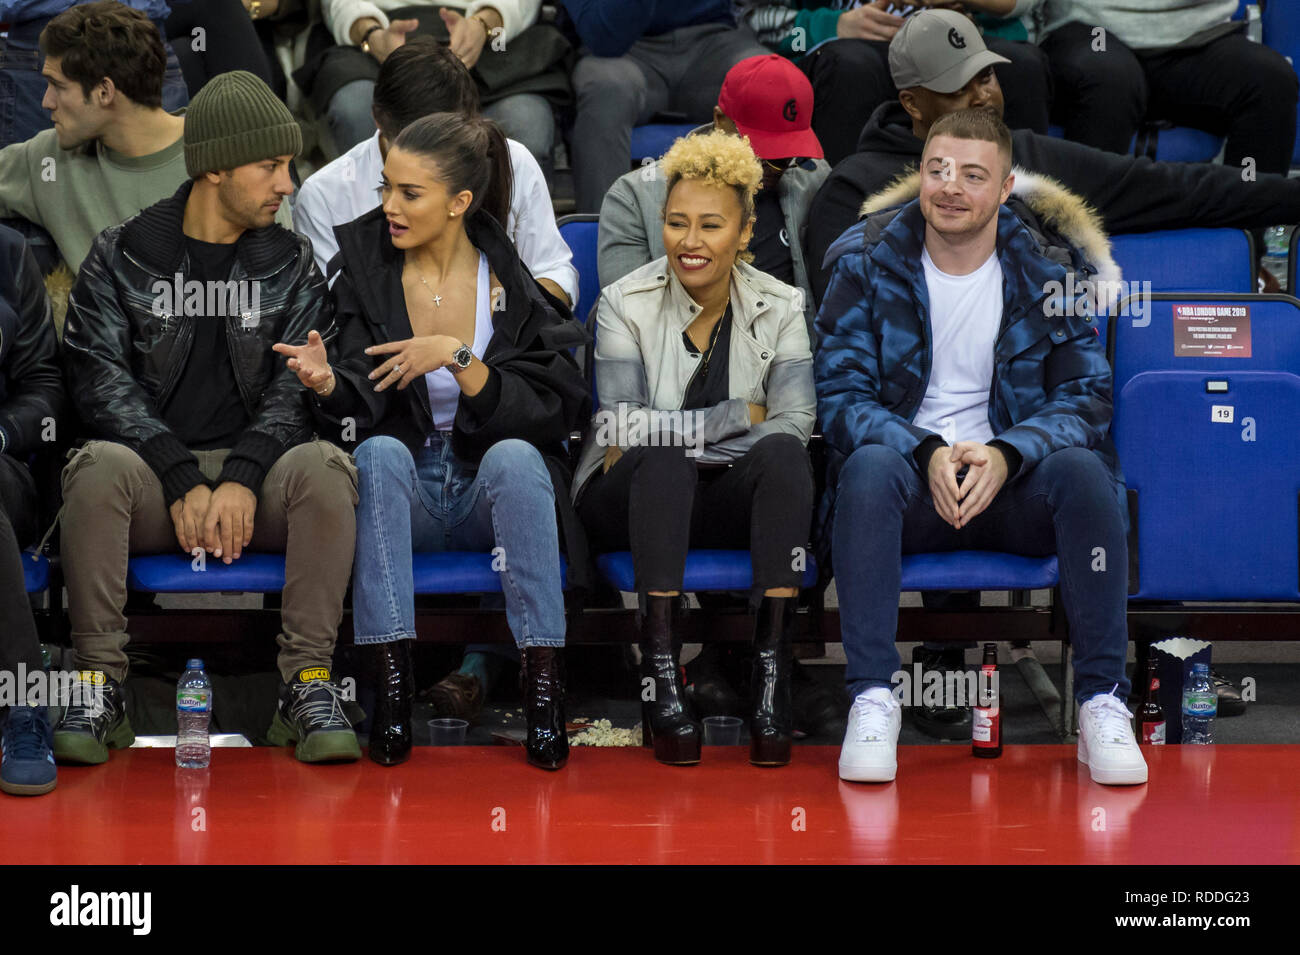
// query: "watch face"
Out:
[463,356]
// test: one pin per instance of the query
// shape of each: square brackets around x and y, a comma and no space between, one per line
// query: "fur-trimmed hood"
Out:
[1057,208]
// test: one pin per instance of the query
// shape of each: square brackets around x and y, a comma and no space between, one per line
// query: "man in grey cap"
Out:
[851,76]
[203,438]
[1132,194]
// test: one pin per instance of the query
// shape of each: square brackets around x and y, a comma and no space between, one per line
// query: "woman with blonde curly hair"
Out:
[704,379]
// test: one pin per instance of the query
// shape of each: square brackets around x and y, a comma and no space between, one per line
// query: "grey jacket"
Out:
[631,222]
[643,369]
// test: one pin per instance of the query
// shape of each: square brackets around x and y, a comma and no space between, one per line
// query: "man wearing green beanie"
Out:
[203,437]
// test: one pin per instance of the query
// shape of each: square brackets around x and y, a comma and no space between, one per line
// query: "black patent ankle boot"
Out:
[547,741]
[666,722]
[390,729]
[771,721]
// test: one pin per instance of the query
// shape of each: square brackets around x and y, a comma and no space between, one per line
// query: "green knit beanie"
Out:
[234,120]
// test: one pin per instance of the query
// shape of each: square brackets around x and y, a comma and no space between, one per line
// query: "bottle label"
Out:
[985,725]
[1155,683]
[193,701]
[1200,705]
[1153,733]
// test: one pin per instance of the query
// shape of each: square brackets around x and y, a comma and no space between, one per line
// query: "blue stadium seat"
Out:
[653,140]
[1180,143]
[176,574]
[978,570]
[580,232]
[1188,260]
[706,570]
[36,572]
[1281,21]
[450,572]
[1210,450]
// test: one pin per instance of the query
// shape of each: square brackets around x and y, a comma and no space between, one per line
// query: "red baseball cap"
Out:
[771,101]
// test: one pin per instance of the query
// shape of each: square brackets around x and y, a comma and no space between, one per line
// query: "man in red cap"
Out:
[769,100]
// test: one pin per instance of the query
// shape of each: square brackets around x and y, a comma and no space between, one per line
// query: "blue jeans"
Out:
[1066,505]
[436,502]
[22,87]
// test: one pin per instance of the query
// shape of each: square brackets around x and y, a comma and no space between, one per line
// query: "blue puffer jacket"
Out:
[1051,385]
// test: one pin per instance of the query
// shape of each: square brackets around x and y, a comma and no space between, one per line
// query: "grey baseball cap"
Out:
[940,50]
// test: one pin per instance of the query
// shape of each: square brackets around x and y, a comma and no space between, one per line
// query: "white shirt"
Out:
[444,392]
[348,188]
[965,317]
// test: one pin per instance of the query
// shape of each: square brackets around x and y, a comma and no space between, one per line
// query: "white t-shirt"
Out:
[348,188]
[444,392]
[965,317]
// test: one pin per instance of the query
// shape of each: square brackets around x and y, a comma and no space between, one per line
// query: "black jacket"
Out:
[1131,194]
[126,348]
[535,390]
[31,383]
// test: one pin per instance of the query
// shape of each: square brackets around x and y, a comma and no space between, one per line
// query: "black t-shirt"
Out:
[206,411]
[710,384]
[770,243]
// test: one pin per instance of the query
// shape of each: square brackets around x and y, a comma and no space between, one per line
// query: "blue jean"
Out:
[1066,505]
[436,502]
[22,87]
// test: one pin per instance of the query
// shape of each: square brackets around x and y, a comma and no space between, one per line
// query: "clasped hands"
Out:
[959,503]
[219,522]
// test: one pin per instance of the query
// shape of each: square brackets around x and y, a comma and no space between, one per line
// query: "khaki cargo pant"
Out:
[113,508]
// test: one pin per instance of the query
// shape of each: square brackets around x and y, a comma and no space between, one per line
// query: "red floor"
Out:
[1219,804]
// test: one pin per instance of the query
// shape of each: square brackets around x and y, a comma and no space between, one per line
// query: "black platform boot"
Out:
[666,721]
[390,728]
[771,722]
[543,676]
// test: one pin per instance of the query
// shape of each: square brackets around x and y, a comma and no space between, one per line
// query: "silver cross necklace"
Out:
[437,299]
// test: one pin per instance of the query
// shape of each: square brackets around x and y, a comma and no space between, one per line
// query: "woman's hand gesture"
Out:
[411,359]
[309,362]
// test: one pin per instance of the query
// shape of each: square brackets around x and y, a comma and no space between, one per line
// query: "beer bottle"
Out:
[1151,718]
[986,725]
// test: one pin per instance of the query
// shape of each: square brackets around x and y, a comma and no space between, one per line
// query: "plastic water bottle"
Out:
[193,710]
[1200,705]
[1277,241]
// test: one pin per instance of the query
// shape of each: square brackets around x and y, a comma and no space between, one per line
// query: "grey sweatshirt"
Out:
[1143,24]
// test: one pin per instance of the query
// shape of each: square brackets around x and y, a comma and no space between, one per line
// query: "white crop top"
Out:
[444,392]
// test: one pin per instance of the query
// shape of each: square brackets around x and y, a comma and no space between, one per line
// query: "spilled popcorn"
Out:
[604,733]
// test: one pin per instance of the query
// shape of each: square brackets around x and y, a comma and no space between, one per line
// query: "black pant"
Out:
[229,41]
[850,78]
[1231,86]
[18,528]
[656,502]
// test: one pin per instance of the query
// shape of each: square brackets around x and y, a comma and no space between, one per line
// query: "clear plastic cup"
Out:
[722,730]
[447,732]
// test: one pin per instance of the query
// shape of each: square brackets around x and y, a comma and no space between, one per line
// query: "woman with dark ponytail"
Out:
[452,382]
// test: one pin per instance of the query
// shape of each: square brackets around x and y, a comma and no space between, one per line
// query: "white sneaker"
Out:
[870,751]
[1106,742]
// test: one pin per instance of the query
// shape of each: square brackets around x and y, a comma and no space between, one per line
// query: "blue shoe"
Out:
[27,768]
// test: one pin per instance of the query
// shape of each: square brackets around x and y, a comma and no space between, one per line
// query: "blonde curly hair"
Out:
[719,159]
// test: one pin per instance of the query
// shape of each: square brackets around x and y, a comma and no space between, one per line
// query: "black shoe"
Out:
[94,720]
[1230,701]
[941,722]
[771,721]
[547,740]
[310,714]
[708,682]
[819,710]
[666,722]
[390,728]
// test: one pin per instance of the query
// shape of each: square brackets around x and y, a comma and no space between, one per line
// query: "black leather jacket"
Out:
[31,384]
[126,349]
